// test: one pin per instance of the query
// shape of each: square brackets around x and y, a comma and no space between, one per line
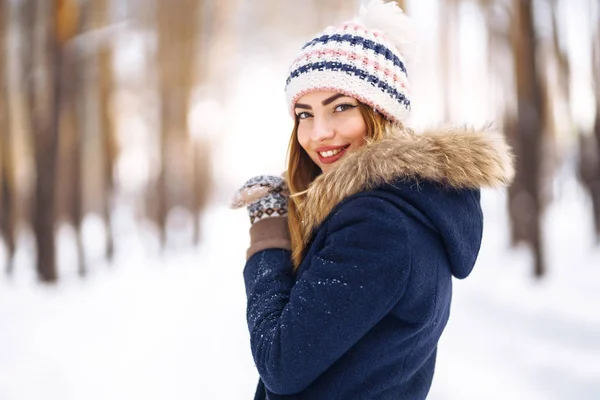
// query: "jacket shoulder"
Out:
[372,210]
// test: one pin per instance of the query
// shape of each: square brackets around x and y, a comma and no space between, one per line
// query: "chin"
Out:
[321,166]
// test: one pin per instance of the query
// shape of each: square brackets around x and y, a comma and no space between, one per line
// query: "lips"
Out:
[341,150]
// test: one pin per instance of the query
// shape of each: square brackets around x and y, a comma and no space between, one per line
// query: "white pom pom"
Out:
[389,18]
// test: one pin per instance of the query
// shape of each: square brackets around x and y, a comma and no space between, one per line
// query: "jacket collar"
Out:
[457,158]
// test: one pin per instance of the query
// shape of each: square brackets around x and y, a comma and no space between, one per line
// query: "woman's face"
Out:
[329,125]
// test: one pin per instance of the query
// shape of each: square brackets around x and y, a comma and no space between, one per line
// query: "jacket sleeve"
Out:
[297,331]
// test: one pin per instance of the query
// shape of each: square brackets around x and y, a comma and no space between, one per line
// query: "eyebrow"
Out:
[332,99]
[325,102]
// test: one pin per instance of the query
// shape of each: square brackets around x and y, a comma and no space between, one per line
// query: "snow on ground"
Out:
[173,326]
[147,327]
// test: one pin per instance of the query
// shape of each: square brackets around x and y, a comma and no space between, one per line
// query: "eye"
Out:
[343,107]
[303,115]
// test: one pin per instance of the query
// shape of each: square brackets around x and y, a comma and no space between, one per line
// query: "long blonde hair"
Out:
[301,171]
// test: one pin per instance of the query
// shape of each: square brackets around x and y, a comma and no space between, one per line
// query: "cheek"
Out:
[356,132]
[303,137]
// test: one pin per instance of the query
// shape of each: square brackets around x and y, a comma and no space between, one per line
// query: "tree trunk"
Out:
[595,188]
[177,29]
[589,171]
[524,195]
[8,190]
[562,59]
[554,102]
[3,102]
[589,145]
[72,128]
[71,133]
[107,128]
[8,212]
[43,96]
[6,183]
[58,21]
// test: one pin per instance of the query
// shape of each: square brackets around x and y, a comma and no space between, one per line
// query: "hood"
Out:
[459,160]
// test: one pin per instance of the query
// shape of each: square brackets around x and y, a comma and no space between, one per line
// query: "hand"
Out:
[264,196]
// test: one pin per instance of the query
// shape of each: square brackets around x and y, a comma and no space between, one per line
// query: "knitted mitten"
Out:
[265,197]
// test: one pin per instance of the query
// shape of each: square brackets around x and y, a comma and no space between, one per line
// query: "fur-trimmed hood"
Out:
[457,158]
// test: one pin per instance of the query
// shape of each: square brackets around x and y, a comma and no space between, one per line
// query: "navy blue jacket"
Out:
[362,316]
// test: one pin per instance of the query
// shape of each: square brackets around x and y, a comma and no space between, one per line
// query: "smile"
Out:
[332,155]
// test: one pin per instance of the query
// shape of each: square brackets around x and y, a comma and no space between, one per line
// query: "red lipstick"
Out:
[332,159]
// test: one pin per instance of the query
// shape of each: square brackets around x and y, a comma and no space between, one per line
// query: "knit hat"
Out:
[364,58]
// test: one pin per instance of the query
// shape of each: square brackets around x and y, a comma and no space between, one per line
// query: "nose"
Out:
[323,129]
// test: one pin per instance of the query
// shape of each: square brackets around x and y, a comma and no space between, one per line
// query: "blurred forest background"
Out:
[110,103]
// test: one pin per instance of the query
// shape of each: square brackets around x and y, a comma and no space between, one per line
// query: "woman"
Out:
[349,278]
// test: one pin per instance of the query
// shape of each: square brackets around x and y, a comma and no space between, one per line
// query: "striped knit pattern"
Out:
[356,61]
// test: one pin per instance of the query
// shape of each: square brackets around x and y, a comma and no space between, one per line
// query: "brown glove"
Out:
[266,199]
